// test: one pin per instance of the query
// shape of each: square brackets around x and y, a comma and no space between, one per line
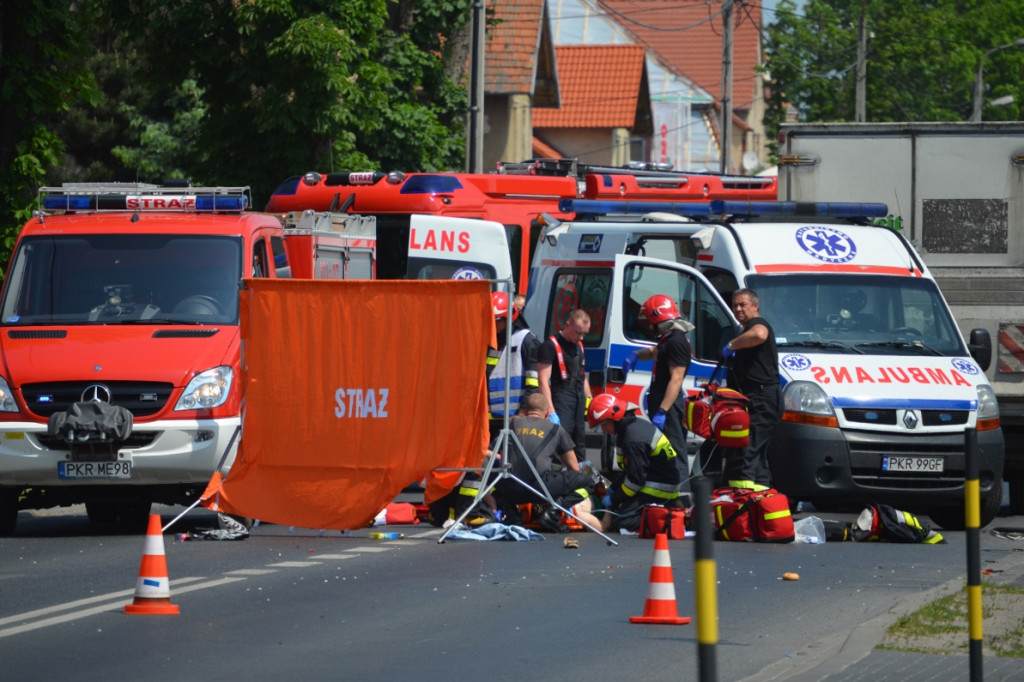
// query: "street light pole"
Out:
[978,78]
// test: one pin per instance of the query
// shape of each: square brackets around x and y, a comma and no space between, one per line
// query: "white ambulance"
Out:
[879,385]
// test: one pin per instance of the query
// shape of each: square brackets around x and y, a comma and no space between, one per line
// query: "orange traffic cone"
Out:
[153,588]
[660,607]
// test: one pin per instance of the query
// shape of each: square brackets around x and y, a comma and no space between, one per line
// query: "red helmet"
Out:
[659,308]
[499,301]
[605,406]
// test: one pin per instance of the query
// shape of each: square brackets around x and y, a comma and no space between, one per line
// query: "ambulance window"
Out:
[722,280]
[643,281]
[514,236]
[580,288]
[713,326]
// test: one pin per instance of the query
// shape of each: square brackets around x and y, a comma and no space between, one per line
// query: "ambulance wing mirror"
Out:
[701,239]
[980,347]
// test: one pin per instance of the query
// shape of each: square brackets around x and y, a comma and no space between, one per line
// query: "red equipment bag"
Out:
[752,516]
[656,519]
[698,414]
[730,421]
[720,413]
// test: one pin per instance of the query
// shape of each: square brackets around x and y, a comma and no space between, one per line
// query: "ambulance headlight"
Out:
[988,408]
[207,390]
[7,403]
[806,397]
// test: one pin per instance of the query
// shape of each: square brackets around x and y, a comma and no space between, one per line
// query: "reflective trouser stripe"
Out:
[748,485]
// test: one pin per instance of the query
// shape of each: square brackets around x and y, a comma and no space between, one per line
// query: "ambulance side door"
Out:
[634,281]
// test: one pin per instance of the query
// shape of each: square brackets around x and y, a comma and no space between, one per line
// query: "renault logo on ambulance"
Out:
[96,393]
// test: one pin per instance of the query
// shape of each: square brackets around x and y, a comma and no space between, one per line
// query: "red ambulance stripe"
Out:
[1011,356]
[839,267]
[579,263]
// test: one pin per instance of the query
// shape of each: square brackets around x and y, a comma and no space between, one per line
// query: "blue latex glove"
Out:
[606,501]
[659,419]
[553,418]
[727,352]
[630,362]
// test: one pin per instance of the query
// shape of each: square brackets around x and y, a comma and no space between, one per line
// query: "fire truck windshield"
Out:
[123,279]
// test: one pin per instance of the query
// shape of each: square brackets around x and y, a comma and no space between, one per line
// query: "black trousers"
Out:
[750,464]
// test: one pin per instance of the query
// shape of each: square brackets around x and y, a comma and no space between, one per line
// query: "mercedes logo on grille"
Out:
[96,393]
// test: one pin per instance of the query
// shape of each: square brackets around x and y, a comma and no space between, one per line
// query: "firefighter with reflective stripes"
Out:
[518,370]
[666,401]
[647,459]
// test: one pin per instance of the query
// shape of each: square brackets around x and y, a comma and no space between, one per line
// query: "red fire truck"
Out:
[517,196]
[120,341]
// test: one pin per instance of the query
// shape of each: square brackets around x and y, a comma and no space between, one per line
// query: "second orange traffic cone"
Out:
[660,607]
[153,588]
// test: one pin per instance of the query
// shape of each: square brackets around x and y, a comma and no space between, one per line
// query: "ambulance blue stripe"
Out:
[905,403]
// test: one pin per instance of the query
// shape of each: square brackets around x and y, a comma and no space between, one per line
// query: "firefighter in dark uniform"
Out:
[551,451]
[666,400]
[520,365]
[562,375]
[754,372]
[647,460]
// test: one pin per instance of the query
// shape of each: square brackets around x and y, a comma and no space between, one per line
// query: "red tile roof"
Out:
[601,87]
[542,150]
[519,54]
[687,37]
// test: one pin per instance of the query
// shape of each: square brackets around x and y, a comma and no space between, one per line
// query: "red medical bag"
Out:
[656,519]
[752,516]
[720,413]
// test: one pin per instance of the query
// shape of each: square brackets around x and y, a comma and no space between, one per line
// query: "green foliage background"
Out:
[250,92]
[224,92]
[922,58]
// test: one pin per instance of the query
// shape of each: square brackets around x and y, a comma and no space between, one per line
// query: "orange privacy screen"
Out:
[354,390]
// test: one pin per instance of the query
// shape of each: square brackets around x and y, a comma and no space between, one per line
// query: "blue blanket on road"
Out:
[495,531]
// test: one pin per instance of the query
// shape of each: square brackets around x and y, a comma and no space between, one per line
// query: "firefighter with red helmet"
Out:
[513,365]
[650,473]
[666,399]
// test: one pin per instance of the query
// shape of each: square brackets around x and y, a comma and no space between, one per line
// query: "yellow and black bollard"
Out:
[972,518]
[704,581]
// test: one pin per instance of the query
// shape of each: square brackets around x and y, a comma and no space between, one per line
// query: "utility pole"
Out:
[475,127]
[860,108]
[726,83]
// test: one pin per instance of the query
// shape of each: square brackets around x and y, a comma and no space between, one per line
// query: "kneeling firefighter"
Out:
[647,459]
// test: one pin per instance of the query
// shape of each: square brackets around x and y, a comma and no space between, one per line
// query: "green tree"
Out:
[288,87]
[43,50]
[921,59]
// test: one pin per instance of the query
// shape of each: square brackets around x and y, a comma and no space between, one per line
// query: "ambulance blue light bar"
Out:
[583,207]
[142,197]
[799,208]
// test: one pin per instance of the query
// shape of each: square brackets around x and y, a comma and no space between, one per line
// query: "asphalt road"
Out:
[324,606]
